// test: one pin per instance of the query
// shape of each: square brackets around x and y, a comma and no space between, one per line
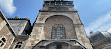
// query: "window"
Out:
[58,32]
[3,39]
[2,42]
[19,44]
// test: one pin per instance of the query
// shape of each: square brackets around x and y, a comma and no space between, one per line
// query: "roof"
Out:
[16,18]
[99,36]
[19,24]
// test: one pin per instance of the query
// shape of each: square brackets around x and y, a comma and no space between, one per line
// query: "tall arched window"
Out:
[58,32]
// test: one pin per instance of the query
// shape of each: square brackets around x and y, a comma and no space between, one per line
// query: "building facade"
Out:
[58,26]
[14,32]
[103,39]
[22,29]
[7,35]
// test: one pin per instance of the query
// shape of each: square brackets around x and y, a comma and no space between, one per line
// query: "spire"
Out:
[16,16]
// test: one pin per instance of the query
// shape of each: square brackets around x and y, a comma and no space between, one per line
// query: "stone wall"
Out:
[1,19]
[6,36]
[42,27]
[62,20]
[19,39]
[52,14]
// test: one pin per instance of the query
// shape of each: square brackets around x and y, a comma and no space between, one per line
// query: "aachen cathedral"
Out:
[57,26]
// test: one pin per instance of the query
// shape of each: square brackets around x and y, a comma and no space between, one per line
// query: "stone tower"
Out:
[58,26]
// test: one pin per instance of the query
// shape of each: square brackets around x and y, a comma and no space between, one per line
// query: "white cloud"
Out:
[109,30]
[8,6]
[103,23]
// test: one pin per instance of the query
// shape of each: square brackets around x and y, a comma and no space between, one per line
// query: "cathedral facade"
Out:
[57,26]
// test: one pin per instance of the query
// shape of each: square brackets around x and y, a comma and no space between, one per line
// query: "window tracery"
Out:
[58,32]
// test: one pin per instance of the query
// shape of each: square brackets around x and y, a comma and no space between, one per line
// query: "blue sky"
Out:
[95,14]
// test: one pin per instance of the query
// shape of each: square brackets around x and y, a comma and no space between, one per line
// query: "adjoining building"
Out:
[22,29]
[100,40]
[14,32]
[7,35]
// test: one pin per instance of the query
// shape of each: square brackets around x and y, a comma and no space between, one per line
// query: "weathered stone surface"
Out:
[1,19]
[5,33]
[22,29]
[54,13]
[63,20]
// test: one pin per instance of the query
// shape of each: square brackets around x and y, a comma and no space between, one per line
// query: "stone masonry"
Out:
[56,12]
[6,33]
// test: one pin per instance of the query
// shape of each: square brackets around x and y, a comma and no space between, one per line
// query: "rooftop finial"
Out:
[55,0]
[16,16]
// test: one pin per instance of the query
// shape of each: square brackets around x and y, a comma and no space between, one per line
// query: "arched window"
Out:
[19,44]
[58,32]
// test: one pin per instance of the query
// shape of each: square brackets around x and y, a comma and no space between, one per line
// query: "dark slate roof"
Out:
[97,36]
[18,24]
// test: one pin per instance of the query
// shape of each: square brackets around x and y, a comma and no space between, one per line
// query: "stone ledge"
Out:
[45,42]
